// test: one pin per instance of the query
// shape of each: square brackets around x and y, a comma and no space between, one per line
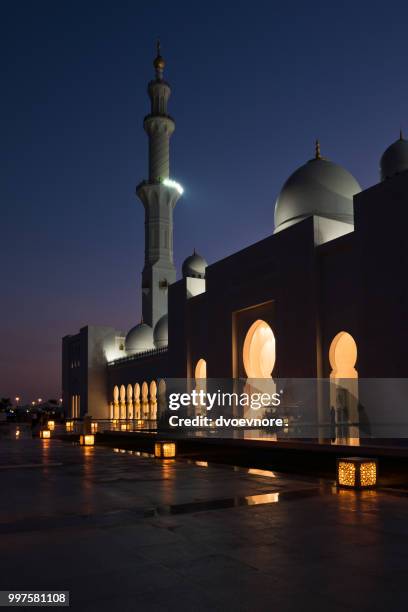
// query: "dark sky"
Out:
[253,84]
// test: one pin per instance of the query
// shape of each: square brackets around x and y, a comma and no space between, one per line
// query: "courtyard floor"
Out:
[123,531]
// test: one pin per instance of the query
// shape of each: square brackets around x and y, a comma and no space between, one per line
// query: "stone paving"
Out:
[128,532]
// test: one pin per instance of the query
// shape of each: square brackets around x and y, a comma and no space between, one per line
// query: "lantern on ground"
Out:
[45,434]
[51,425]
[165,450]
[357,473]
[69,426]
[87,439]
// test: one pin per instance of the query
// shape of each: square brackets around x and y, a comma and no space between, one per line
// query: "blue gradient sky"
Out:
[253,84]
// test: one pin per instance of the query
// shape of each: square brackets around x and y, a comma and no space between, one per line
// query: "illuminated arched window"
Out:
[129,399]
[259,350]
[145,391]
[153,390]
[116,393]
[344,404]
[200,369]
[136,392]
[343,356]
[129,392]
[122,397]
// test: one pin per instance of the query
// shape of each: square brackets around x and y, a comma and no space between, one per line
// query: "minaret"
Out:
[159,196]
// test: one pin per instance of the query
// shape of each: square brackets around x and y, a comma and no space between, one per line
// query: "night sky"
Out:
[254,83]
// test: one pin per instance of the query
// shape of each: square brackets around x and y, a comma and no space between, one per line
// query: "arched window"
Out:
[344,404]
[129,393]
[200,371]
[343,356]
[161,388]
[259,351]
[153,391]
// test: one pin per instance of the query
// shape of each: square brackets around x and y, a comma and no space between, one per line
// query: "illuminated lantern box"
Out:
[357,473]
[165,450]
[69,426]
[45,434]
[125,427]
[51,425]
[94,427]
[87,440]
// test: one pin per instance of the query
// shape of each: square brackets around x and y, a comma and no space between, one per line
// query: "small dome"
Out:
[139,339]
[159,63]
[194,266]
[395,159]
[319,187]
[161,332]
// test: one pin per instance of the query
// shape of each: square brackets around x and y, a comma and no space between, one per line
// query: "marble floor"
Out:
[123,531]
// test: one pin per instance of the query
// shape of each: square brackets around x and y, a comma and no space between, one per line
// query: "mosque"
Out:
[323,297]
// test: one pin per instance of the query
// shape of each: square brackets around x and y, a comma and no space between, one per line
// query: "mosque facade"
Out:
[325,296]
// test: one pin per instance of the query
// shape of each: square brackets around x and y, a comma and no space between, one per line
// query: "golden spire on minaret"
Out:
[159,62]
[401,135]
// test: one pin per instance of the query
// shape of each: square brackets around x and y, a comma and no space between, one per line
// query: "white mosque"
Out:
[325,296]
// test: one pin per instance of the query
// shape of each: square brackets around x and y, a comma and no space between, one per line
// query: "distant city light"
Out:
[174,184]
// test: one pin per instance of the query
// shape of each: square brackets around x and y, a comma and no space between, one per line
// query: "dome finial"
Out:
[141,320]
[317,150]
[159,62]
[401,135]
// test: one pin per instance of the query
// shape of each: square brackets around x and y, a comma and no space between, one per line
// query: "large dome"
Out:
[320,187]
[194,266]
[395,159]
[139,339]
[161,332]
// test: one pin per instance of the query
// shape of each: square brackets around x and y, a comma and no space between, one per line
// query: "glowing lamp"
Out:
[51,425]
[170,183]
[69,426]
[94,427]
[125,427]
[87,440]
[165,450]
[17,433]
[45,434]
[357,473]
